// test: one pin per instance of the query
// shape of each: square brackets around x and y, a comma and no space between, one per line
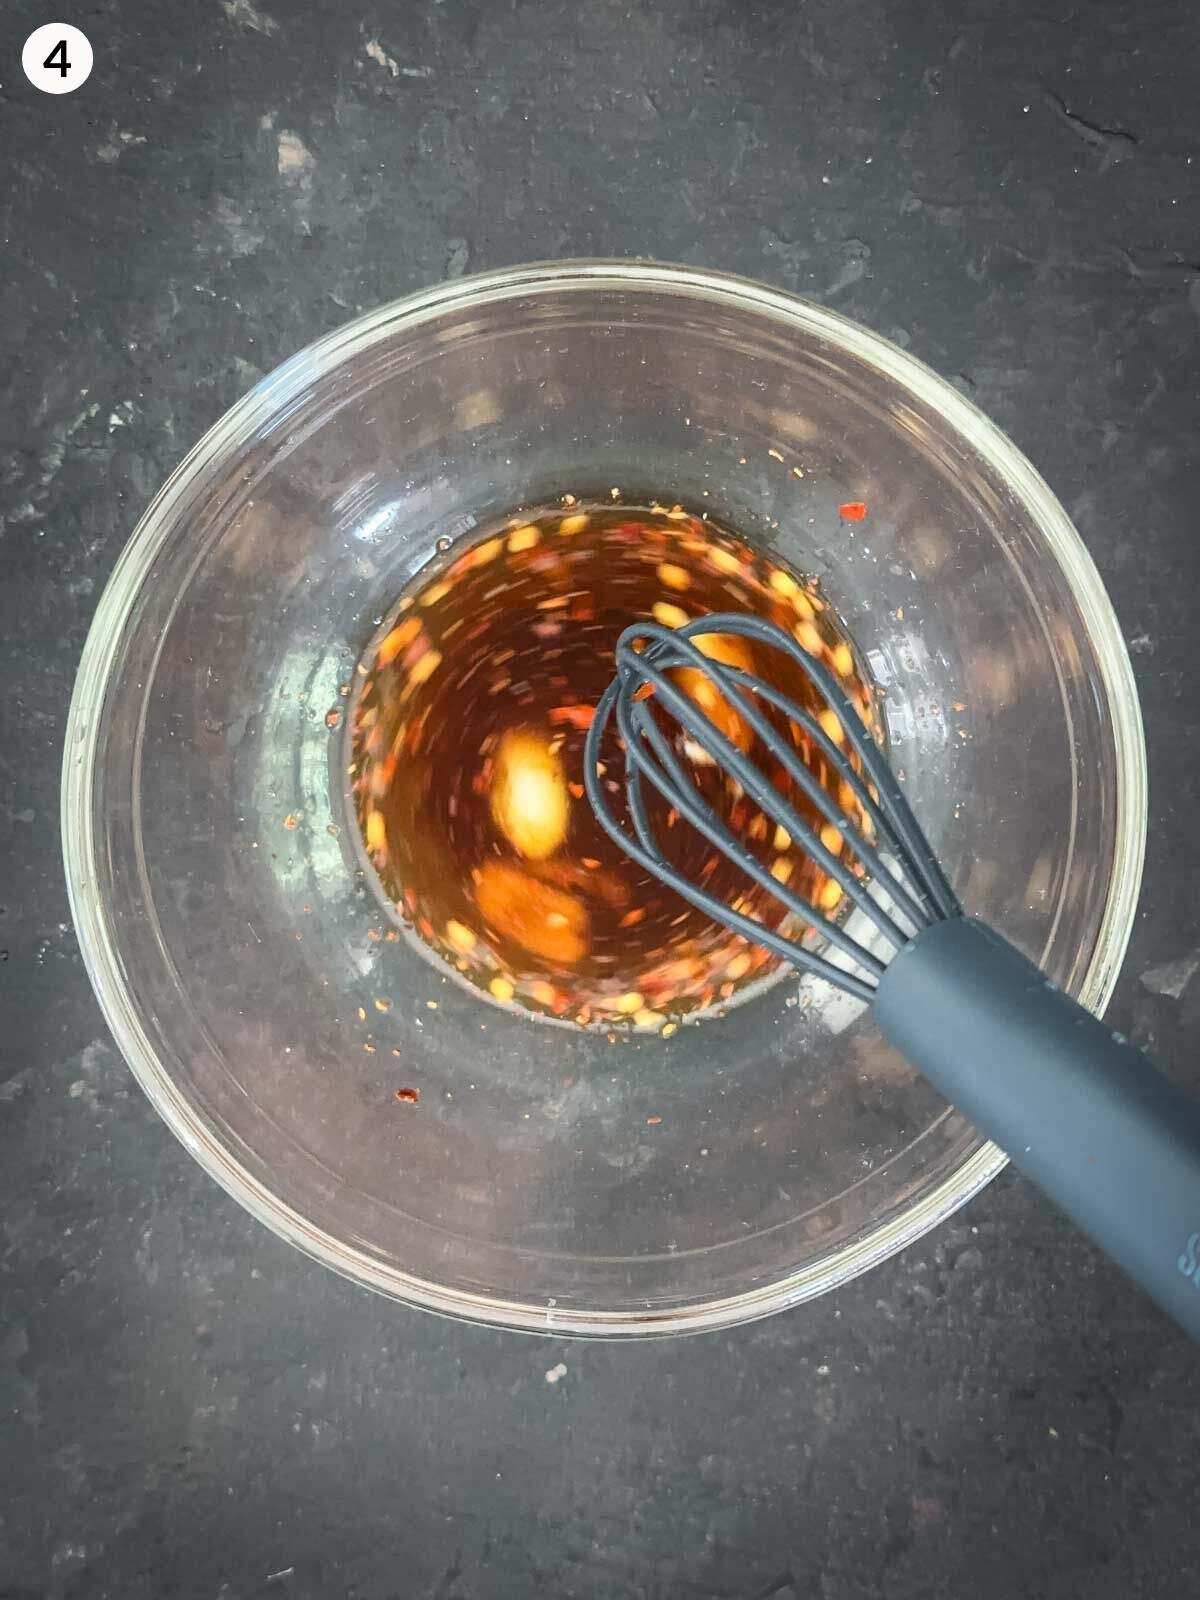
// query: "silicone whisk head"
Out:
[884,865]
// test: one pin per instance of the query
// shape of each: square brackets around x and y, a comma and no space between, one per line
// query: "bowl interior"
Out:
[237,947]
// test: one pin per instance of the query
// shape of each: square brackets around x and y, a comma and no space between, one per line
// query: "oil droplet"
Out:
[668,615]
[529,795]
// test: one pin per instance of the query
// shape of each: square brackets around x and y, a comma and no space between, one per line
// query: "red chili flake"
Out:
[408,1097]
[333,717]
[853,510]
[574,716]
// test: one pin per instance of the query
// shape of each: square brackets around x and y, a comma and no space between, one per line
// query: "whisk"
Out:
[1075,1106]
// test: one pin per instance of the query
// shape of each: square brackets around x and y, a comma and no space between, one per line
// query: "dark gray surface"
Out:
[187,1408]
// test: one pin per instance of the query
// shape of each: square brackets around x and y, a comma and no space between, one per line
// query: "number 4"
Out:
[58,58]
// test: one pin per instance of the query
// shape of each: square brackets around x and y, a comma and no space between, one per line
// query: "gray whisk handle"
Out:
[1075,1106]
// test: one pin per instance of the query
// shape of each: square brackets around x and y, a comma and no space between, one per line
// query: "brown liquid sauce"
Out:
[467,764]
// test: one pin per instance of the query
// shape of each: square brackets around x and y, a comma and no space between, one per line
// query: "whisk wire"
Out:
[725,753]
[911,886]
[917,910]
[636,723]
[917,905]
[915,848]
[720,911]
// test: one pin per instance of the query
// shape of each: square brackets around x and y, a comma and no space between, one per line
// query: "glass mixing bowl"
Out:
[243,962]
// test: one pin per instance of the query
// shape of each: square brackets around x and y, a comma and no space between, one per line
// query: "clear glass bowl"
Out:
[212,870]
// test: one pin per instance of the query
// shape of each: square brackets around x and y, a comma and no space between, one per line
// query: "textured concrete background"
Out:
[188,1408]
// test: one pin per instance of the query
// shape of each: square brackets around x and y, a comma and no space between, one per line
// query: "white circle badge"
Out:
[57,58]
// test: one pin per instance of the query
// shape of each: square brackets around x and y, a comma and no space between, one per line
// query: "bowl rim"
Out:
[272,395]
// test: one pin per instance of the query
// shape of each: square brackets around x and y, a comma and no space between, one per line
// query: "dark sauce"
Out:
[467,748]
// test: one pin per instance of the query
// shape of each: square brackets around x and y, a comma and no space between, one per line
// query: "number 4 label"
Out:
[57,58]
